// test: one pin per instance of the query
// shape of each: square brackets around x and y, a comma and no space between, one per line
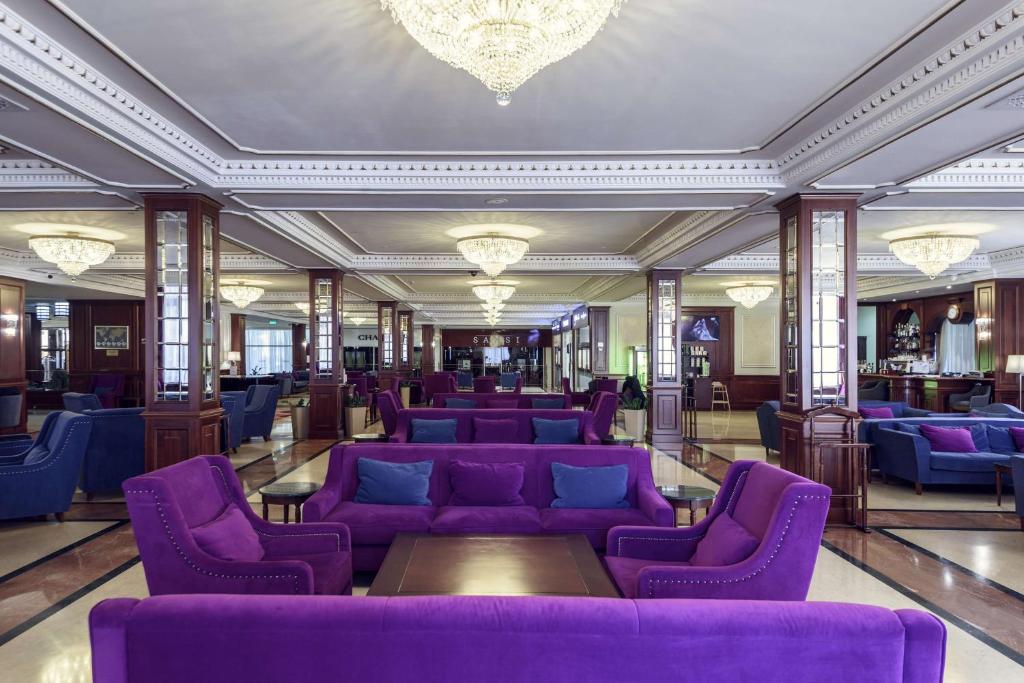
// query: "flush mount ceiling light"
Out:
[502,42]
[240,294]
[749,295]
[493,253]
[73,254]
[935,252]
[495,291]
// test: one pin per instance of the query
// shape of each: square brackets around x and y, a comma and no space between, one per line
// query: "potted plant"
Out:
[405,389]
[355,413]
[300,419]
[634,415]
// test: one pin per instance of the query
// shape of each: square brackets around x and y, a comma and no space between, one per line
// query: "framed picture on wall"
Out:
[110,337]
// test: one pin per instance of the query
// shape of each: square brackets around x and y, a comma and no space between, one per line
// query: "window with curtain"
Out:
[956,348]
[268,351]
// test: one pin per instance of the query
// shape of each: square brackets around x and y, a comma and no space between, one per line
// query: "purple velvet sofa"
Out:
[467,418]
[504,401]
[515,639]
[190,524]
[373,527]
[759,541]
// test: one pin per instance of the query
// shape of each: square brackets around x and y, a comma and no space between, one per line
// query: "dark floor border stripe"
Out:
[60,551]
[687,465]
[945,561]
[941,528]
[962,512]
[65,601]
[973,630]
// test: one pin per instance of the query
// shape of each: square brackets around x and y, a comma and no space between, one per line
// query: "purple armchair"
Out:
[109,387]
[484,384]
[576,398]
[197,533]
[389,404]
[439,383]
[759,542]
[605,384]
[603,406]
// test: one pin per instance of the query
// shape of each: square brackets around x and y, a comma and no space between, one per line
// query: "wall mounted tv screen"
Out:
[700,328]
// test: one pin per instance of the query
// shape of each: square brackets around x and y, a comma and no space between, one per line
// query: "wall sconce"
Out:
[984,326]
[9,324]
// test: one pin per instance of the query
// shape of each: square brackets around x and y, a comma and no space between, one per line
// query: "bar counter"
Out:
[930,392]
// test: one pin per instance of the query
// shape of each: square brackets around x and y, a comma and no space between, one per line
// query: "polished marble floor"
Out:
[963,562]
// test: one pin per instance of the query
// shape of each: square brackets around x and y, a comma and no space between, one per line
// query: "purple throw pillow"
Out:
[229,537]
[492,484]
[1018,438]
[881,412]
[494,431]
[949,439]
[725,543]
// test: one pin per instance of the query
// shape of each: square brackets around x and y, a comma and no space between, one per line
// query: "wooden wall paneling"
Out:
[238,341]
[12,346]
[427,349]
[326,414]
[299,359]
[599,336]
[84,360]
[984,310]
[664,385]
[747,392]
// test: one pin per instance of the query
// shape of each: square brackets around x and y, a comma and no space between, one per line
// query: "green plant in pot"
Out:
[300,419]
[355,413]
[634,415]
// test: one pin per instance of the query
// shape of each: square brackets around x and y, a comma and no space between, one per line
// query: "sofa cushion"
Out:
[949,439]
[966,462]
[880,412]
[433,431]
[332,572]
[547,403]
[589,487]
[726,542]
[503,403]
[486,483]
[513,519]
[459,403]
[393,483]
[594,524]
[555,431]
[1000,440]
[229,537]
[624,571]
[494,431]
[1017,433]
[377,524]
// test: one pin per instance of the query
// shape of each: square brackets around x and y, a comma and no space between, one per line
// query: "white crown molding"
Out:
[531,263]
[23,174]
[975,174]
[689,231]
[866,263]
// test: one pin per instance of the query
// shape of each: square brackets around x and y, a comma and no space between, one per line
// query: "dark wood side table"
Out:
[288,493]
[1000,471]
[618,440]
[370,438]
[692,498]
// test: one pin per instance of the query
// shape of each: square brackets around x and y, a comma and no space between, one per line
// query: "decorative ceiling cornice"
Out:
[136,262]
[35,175]
[692,229]
[866,263]
[975,174]
[390,263]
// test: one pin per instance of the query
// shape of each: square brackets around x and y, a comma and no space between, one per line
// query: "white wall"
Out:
[866,326]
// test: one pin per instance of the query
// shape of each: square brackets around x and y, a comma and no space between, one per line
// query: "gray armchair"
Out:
[998,410]
[979,396]
[874,390]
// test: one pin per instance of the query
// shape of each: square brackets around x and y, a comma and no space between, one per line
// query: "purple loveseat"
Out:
[504,401]
[373,527]
[515,639]
[466,419]
[763,548]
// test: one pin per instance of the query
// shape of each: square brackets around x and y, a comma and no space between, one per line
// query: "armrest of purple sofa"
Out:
[317,507]
[655,543]
[307,538]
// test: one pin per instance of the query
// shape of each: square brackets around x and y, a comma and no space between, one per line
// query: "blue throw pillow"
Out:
[556,431]
[459,403]
[999,440]
[909,429]
[979,435]
[394,483]
[548,403]
[433,431]
[589,487]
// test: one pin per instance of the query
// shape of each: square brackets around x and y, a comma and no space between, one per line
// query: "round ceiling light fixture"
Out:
[493,253]
[301,305]
[933,253]
[241,293]
[73,254]
[494,290]
[749,295]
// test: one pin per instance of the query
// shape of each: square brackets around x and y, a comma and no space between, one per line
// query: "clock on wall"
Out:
[953,313]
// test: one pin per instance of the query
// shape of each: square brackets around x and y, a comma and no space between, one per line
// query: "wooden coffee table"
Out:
[483,564]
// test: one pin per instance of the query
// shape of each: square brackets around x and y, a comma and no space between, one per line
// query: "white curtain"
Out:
[268,350]
[956,348]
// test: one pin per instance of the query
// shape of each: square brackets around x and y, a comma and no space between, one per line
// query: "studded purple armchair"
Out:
[388,403]
[197,533]
[759,542]
[603,405]
[577,398]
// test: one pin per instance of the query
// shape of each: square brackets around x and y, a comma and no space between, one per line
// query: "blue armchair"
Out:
[79,403]
[465,379]
[998,410]
[768,425]
[41,480]
[233,403]
[260,407]
[116,450]
[1017,468]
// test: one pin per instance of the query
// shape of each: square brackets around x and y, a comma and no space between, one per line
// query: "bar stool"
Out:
[720,396]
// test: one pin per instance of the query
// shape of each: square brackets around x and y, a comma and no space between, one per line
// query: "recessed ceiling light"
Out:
[495,201]
[949,286]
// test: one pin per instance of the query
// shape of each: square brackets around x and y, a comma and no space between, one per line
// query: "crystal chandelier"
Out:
[357,321]
[301,305]
[71,253]
[241,294]
[495,291]
[493,253]
[502,42]
[749,295]
[933,253]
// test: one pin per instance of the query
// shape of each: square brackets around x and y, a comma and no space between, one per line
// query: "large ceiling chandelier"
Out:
[749,295]
[73,254]
[301,305]
[240,294]
[502,42]
[493,253]
[934,252]
[495,291]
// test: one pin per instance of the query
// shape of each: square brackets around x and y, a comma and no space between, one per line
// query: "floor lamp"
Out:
[1015,365]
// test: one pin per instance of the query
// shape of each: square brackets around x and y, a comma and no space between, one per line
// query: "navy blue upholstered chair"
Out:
[768,425]
[465,379]
[79,403]
[42,479]
[233,403]
[116,450]
[260,407]
[1017,466]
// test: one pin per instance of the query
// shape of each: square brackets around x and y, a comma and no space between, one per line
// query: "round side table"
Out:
[286,494]
[692,498]
[618,440]
[369,438]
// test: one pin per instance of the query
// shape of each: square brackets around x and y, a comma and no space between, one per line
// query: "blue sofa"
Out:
[41,479]
[900,452]
[260,407]
[233,403]
[79,403]
[116,449]
[1017,465]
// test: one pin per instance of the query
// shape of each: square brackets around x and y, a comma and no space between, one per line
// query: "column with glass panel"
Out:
[387,341]
[404,347]
[664,387]
[325,354]
[182,318]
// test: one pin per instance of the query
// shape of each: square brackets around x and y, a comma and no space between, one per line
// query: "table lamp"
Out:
[1015,365]
[234,357]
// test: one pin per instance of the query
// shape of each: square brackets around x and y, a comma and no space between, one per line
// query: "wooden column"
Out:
[238,341]
[664,376]
[427,361]
[33,346]
[999,317]
[299,350]
[13,321]
[387,341]
[404,342]
[599,339]
[818,313]
[326,358]
[182,321]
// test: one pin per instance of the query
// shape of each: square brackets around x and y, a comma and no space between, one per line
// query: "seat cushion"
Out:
[503,403]
[555,431]
[594,524]
[332,572]
[518,519]
[589,487]
[624,571]
[726,542]
[495,484]
[494,431]
[1000,439]
[433,431]
[966,462]
[393,483]
[377,524]
[229,537]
